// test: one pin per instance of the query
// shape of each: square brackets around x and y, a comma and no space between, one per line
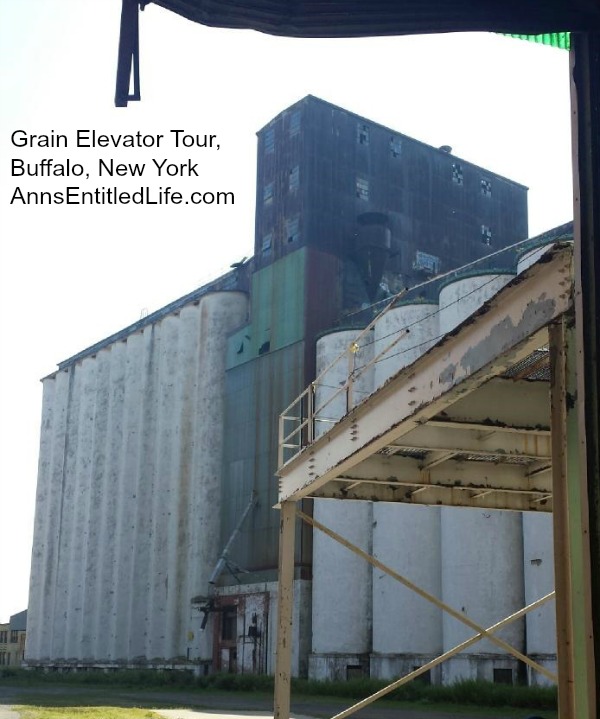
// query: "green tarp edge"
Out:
[561,40]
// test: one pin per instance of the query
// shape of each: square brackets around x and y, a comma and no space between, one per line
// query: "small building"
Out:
[12,640]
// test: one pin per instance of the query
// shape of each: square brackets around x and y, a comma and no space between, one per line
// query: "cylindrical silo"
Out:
[78,572]
[340,354]
[482,577]
[403,532]
[407,629]
[402,335]
[531,255]
[341,598]
[129,491]
[538,558]
[482,570]
[462,296]
[37,639]
[63,626]
[341,602]
[218,315]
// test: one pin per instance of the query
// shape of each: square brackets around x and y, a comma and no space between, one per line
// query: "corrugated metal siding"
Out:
[255,394]
[276,313]
[429,203]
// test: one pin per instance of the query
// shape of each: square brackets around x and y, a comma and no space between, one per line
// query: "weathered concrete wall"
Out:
[129,490]
[538,566]
[341,611]
[407,539]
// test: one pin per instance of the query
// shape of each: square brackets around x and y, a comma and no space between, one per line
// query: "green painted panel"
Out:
[561,40]
[277,305]
[276,310]
[255,393]
[239,349]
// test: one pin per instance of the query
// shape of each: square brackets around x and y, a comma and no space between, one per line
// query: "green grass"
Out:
[84,712]
[467,693]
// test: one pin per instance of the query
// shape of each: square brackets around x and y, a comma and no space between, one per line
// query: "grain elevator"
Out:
[155,534]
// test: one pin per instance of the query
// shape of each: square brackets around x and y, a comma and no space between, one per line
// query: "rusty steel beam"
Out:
[285,606]
[466,440]
[397,471]
[512,326]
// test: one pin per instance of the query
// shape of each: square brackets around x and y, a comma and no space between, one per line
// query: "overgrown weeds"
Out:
[476,693]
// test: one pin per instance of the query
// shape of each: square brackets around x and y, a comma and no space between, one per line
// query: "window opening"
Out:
[486,235]
[229,624]
[267,243]
[270,140]
[486,188]
[457,173]
[503,676]
[294,178]
[292,229]
[395,146]
[362,188]
[363,134]
[268,193]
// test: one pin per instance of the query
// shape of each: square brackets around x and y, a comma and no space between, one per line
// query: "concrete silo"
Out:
[407,630]
[341,597]
[129,491]
[482,551]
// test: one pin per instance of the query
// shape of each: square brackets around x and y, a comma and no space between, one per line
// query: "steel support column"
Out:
[285,605]
[572,566]
[585,104]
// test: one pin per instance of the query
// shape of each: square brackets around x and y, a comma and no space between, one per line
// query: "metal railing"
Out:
[305,416]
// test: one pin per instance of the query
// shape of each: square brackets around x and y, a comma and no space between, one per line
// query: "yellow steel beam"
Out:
[512,326]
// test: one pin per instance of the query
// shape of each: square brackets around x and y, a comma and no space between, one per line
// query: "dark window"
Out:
[3,636]
[457,173]
[292,229]
[229,624]
[294,179]
[270,140]
[363,135]
[268,193]
[14,636]
[395,146]
[362,188]
[424,678]
[354,671]
[2,658]
[503,676]
[267,243]
[486,235]
[486,188]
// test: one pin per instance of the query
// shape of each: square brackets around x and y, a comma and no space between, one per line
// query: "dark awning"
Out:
[356,18]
